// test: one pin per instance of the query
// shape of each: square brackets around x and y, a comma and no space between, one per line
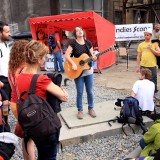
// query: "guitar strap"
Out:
[73,48]
[86,43]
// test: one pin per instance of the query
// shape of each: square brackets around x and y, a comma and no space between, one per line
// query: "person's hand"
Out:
[94,58]
[138,69]
[66,96]
[61,51]
[1,84]
[74,66]
[149,46]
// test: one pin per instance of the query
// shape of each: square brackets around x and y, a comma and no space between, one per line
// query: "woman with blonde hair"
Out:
[35,53]
[16,65]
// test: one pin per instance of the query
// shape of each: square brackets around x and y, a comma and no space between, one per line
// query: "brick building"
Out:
[116,11]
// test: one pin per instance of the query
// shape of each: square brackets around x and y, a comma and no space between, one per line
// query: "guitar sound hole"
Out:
[81,63]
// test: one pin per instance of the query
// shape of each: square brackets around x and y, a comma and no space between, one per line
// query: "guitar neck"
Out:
[98,54]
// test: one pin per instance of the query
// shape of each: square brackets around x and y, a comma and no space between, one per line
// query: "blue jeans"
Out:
[142,143]
[58,61]
[49,149]
[79,82]
[1,128]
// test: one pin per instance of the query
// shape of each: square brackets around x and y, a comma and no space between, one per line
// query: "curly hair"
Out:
[146,72]
[34,51]
[17,57]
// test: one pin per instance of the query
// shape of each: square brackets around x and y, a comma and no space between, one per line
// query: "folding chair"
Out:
[122,52]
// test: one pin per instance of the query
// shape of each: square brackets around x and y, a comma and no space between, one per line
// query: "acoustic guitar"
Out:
[82,63]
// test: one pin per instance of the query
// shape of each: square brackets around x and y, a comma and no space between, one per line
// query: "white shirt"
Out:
[4,59]
[144,90]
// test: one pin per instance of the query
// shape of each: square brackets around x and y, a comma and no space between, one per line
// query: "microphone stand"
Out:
[127,51]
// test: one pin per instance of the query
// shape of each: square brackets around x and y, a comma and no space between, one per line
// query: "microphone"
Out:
[65,81]
[128,44]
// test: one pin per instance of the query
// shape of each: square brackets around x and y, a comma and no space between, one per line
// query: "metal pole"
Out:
[127,59]
[102,9]
[127,50]
[155,14]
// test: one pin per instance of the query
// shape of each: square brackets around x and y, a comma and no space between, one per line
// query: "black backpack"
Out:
[35,115]
[51,41]
[130,113]
[54,102]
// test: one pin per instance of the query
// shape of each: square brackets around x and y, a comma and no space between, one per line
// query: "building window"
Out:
[66,4]
[118,17]
[77,5]
[70,6]
[98,5]
[88,5]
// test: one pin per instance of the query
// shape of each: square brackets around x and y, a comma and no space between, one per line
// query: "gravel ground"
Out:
[106,148]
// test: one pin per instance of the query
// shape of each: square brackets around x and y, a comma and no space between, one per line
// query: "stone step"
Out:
[76,131]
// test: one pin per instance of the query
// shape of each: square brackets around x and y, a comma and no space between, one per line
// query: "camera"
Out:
[119,102]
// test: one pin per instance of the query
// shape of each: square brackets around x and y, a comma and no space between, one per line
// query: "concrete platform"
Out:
[135,153]
[105,111]
[76,131]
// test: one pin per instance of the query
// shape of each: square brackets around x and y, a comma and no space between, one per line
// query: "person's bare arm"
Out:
[58,92]
[68,54]
[133,94]
[59,45]
[93,56]
[1,84]
[156,51]
[69,59]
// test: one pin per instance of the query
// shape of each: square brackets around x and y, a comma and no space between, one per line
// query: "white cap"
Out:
[149,30]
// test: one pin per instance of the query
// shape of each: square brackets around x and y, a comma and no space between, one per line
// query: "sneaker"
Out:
[92,113]
[80,115]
